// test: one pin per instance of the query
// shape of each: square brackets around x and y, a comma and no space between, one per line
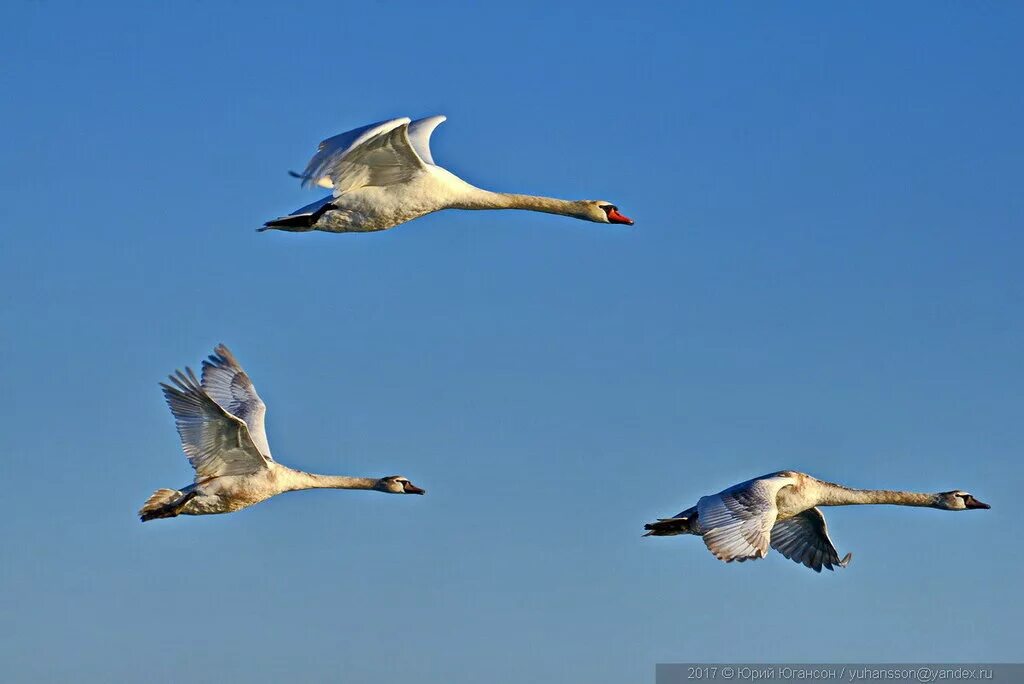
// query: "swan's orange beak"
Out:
[615,217]
[410,488]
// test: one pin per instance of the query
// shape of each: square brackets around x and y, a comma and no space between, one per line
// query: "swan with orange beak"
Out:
[383,175]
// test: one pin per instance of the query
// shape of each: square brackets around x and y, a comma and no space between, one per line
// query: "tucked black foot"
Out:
[298,222]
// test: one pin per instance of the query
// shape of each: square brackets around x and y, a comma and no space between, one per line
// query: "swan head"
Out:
[600,211]
[397,484]
[958,500]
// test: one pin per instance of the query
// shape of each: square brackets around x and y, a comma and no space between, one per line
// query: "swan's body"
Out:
[780,511]
[220,422]
[383,174]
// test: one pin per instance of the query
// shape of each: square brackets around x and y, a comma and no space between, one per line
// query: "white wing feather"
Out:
[419,135]
[736,523]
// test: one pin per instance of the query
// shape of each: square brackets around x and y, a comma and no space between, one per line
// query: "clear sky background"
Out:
[825,275]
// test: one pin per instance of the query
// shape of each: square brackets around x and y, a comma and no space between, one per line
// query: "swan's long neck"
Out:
[485,199]
[296,479]
[837,495]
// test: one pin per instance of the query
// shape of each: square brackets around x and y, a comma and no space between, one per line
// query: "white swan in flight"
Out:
[220,422]
[779,510]
[383,175]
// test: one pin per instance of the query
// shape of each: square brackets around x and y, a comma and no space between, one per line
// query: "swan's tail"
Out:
[164,503]
[667,527]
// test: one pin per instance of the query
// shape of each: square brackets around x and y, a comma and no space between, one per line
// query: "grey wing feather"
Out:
[380,154]
[215,442]
[330,149]
[228,385]
[804,539]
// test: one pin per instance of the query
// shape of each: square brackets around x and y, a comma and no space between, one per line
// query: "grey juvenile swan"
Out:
[779,510]
[383,174]
[220,421]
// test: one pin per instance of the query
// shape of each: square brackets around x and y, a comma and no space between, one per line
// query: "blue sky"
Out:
[825,275]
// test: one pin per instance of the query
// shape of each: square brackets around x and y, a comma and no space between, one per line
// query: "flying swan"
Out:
[220,422]
[383,174]
[780,510]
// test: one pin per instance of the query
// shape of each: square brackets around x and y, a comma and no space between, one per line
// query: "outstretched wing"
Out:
[804,539]
[380,154]
[216,442]
[736,523]
[230,386]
